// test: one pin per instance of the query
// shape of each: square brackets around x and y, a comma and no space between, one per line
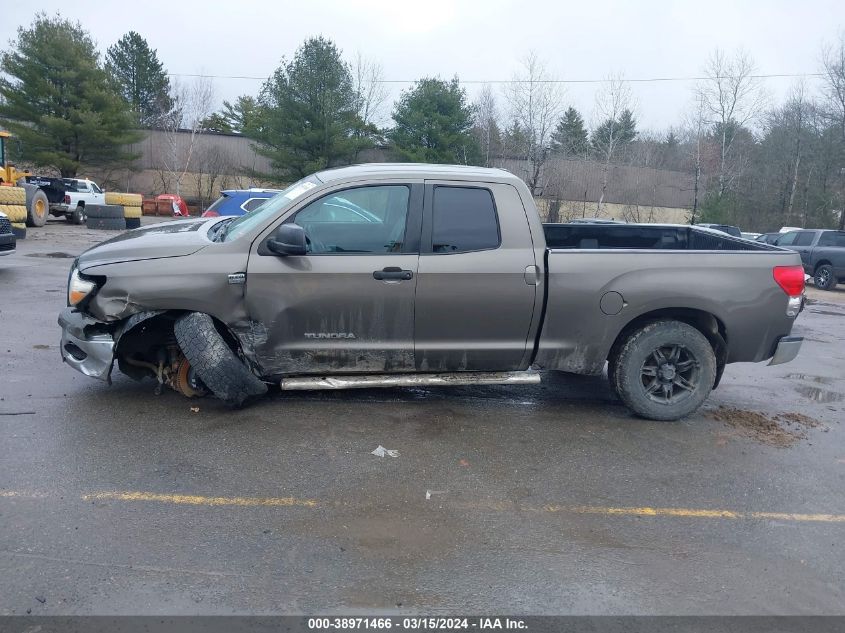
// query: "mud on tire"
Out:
[664,370]
[213,360]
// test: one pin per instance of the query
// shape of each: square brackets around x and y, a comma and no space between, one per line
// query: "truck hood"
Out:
[168,239]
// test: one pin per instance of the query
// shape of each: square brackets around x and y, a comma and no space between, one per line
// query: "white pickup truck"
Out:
[79,192]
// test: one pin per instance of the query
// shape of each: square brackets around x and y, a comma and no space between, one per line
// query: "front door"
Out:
[475,293]
[347,306]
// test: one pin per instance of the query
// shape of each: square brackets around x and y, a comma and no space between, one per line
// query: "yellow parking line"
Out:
[443,502]
[647,511]
[197,500]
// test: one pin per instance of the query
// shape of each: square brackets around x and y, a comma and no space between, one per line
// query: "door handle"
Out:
[392,272]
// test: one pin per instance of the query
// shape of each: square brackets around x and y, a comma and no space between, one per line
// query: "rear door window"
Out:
[832,238]
[463,220]
[805,238]
[253,203]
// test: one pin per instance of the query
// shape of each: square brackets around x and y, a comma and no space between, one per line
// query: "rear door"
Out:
[803,244]
[474,300]
[347,305]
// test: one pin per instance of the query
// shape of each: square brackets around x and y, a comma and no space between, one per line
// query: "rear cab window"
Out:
[463,220]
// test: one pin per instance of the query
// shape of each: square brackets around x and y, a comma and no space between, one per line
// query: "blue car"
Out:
[238,201]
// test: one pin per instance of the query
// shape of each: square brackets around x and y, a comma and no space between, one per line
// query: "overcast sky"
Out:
[477,40]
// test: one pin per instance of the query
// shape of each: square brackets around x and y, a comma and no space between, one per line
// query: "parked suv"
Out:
[238,201]
[822,254]
[7,236]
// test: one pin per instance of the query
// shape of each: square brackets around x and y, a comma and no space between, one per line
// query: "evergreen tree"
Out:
[570,136]
[306,116]
[614,135]
[140,77]
[237,118]
[434,124]
[627,126]
[58,101]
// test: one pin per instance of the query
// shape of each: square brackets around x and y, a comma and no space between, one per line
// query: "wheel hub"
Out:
[667,372]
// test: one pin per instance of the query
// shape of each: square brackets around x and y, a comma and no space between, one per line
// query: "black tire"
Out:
[825,279]
[78,216]
[104,211]
[133,223]
[215,363]
[106,224]
[37,207]
[659,389]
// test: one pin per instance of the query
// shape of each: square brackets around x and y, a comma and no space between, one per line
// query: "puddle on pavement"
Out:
[781,430]
[826,312]
[52,255]
[822,380]
[818,394]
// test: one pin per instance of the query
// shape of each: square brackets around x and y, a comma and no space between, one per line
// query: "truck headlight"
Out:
[78,288]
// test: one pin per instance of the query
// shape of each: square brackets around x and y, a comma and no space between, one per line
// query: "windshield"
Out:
[269,209]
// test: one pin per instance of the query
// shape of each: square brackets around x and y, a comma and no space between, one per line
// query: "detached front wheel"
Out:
[664,370]
[215,363]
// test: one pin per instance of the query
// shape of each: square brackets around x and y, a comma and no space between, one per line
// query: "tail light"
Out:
[790,279]
[67,199]
[210,214]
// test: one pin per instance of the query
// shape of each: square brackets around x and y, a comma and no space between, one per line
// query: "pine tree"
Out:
[627,126]
[434,123]
[140,77]
[570,136]
[58,101]
[307,112]
[237,118]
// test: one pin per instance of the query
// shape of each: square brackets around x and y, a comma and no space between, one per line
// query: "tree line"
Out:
[750,162]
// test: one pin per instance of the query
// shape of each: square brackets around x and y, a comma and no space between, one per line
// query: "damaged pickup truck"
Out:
[392,275]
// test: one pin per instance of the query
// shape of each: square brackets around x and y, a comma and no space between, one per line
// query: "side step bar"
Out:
[363,381]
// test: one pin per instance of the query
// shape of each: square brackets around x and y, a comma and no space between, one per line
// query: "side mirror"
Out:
[289,239]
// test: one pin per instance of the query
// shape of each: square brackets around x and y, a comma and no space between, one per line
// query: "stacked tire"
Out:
[131,204]
[13,204]
[105,217]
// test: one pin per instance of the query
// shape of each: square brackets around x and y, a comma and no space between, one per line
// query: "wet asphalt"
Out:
[530,500]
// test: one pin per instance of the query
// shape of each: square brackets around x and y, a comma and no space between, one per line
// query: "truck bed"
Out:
[645,237]
[601,278]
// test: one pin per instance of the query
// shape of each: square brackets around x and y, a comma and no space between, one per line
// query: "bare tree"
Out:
[611,101]
[833,64]
[486,122]
[535,105]
[695,124]
[733,98]
[193,103]
[370,91]
[209,166]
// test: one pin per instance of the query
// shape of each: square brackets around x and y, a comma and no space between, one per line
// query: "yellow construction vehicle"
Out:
[9,175]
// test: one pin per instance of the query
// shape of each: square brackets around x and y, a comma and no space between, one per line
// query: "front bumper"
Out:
[85,346]
[787,349]
[8,242]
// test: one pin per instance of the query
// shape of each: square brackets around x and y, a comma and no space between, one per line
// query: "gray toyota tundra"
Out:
[408,274]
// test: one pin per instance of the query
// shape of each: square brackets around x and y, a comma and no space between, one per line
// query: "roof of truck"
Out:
[417,170]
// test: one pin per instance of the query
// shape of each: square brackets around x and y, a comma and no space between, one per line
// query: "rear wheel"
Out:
[37,209]
[824,278]
[664,370]
[78,215]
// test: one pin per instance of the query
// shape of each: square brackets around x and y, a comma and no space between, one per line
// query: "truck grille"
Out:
[5,226]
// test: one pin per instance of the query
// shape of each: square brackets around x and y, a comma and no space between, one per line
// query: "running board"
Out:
[364,381]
